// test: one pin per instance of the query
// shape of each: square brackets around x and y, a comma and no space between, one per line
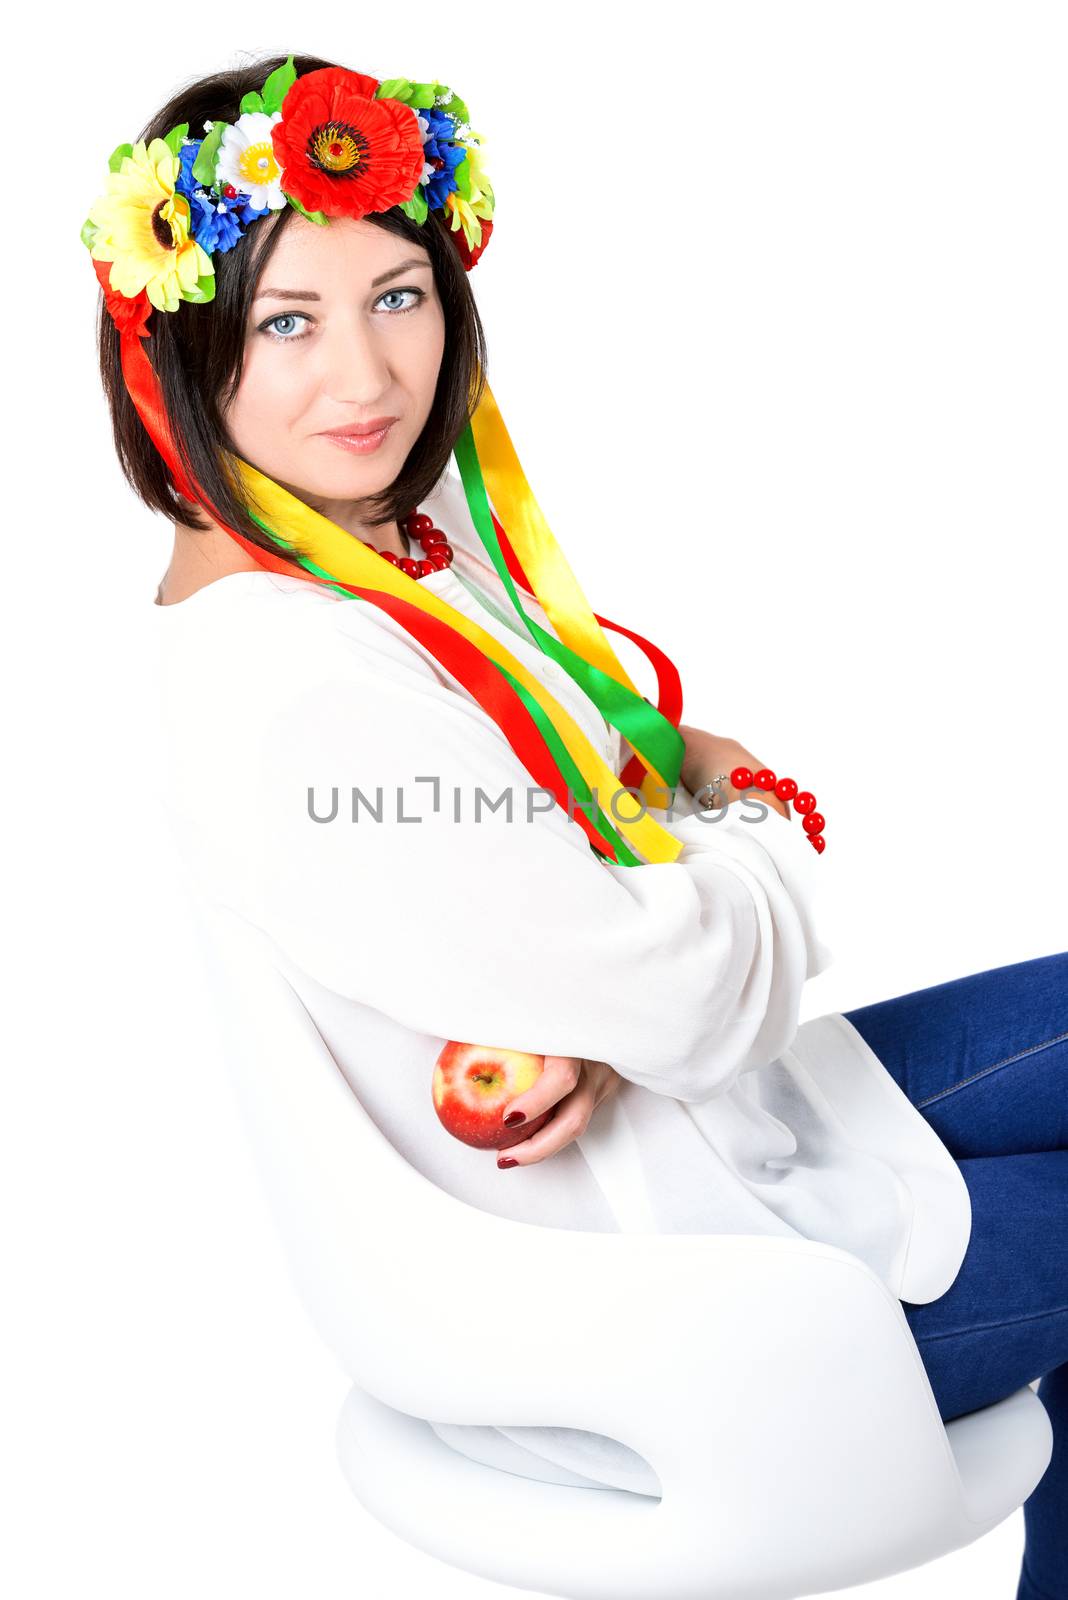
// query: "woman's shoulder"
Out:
[274,634]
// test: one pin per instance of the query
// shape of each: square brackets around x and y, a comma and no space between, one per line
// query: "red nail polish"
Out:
[507,1161]
[514,1118]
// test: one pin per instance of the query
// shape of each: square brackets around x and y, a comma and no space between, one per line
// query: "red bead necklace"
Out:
[438,549]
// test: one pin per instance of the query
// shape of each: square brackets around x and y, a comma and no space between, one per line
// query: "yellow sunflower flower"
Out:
[143,229]
[478,203]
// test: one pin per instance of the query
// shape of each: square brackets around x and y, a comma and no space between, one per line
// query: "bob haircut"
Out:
[197,352]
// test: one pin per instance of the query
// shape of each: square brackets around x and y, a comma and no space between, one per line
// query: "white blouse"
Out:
[427,921]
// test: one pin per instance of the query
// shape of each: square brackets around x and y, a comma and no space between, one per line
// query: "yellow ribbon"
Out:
[349,561]
[544,562]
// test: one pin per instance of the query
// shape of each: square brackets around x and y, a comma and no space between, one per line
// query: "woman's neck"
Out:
[200,556]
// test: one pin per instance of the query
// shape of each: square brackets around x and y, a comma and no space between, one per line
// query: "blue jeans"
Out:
[984,1059]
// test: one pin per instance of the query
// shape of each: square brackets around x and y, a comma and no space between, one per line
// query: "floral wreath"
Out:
[333,143]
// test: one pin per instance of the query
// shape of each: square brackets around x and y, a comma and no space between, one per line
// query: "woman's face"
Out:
[358,334]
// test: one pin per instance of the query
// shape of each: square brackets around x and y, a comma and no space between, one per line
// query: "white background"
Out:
[777,319]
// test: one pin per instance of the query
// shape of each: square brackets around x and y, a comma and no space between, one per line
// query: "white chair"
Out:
[773,1386]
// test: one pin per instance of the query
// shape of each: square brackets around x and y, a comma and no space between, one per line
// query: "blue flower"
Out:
[215,222]
[440,145]
[186,183]
[246,211]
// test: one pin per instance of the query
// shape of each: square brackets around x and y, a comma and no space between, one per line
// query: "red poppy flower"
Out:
[467,255]
[125,311]
[343,152]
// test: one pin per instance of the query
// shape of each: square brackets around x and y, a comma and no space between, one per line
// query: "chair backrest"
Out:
[770,1383]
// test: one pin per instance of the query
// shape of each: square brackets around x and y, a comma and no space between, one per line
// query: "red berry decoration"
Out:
[439,551]
[786,789]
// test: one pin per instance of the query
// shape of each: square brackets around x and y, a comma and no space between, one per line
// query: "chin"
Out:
[339,476]
[358,477]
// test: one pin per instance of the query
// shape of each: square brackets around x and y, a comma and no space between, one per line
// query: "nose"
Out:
[355,364]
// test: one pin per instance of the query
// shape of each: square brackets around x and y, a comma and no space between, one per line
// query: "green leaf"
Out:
[252,101]
[202,291]
[115,158]
[312,216]
[394,89]
[173,140]
[89,232]
[422,95]
[204,165]
[462,174]
[455,107]
[274,90]
[416,207]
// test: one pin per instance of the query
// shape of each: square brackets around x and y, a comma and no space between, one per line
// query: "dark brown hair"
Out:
[197,352]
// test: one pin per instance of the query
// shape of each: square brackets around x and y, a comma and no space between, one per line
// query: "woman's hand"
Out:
[576,1087]
[709,754]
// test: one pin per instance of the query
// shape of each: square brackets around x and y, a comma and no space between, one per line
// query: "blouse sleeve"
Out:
[507,930]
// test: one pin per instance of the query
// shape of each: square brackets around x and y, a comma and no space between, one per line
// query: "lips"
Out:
[357,430]
[359,444]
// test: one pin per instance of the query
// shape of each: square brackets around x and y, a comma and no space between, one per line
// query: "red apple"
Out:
[471,1090]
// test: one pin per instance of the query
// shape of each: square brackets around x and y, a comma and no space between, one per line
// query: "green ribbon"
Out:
[645,728]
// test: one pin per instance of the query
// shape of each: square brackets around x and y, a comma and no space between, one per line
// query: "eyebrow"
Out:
[310,294]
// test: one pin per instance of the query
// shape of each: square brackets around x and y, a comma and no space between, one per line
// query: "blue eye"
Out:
[420,294]
[283,337]
[284,316]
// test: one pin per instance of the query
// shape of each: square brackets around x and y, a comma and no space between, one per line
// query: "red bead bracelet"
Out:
[786,789]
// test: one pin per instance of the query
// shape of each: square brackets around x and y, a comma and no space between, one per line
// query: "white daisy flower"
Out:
[247,160]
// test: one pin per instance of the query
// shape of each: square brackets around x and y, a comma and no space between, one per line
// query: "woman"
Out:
[339,366]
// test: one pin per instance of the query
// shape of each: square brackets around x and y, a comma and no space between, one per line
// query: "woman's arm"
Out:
[708,755]
[512,932]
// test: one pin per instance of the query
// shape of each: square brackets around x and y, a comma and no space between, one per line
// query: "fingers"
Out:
[558,1078]
[570,1120]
